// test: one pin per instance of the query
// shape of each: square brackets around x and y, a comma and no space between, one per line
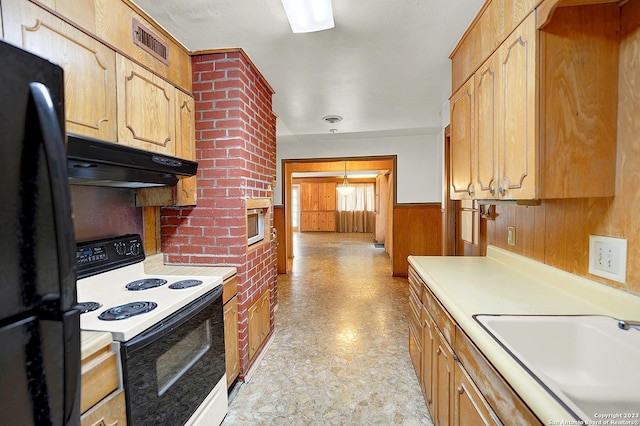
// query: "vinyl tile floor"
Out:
[339,355]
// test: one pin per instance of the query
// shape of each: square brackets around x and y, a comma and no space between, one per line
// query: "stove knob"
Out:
[135,249]
[121,248]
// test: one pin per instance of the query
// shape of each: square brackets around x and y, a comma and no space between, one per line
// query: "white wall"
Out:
[419,174]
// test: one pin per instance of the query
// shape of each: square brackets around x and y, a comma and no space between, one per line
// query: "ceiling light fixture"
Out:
[332,119]
[344,188]
[309,15]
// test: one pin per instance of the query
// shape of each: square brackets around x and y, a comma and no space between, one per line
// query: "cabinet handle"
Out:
[460,390]
[470,190]
[492,190]
[438,351]
[501,190]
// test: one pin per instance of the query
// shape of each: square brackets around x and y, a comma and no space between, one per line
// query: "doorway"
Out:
[334,168]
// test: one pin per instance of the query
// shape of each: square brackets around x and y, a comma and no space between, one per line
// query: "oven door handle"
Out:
[172,322]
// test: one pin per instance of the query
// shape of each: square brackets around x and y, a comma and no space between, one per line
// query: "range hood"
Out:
[99,163]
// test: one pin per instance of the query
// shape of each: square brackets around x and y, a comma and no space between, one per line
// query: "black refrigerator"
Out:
[39,327]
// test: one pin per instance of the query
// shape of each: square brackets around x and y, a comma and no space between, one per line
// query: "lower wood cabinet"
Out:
[102,399]
[449,393]
[470,407]
[111,411]
[231,348]
[259,325]
[443,382]
[318,221]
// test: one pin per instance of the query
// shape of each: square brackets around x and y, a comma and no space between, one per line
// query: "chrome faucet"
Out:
[625,325]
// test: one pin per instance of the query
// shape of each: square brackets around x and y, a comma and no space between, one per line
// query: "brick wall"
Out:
[236,154]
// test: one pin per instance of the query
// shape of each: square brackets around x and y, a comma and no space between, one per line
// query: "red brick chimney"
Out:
[236,154]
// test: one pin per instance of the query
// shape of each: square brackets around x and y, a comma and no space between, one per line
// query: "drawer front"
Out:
[415,283]
[415,305]
[440,315]
[229,288]
[111,411]
[99,378]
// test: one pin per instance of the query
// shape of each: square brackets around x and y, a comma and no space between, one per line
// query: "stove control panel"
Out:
[94,257]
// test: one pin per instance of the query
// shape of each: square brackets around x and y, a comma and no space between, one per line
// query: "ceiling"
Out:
[384,67]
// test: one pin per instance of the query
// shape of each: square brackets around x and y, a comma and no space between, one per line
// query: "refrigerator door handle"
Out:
[53,141]
[53,144]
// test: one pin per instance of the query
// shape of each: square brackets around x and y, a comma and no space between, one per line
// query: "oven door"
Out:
[170,369]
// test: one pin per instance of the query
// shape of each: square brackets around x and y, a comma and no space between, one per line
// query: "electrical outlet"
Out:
[511,235]
[608,257]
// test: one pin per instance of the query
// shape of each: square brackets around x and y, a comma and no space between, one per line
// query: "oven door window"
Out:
[170,369]
[174,363]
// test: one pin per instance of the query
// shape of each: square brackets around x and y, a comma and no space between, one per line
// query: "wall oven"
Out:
[170,331]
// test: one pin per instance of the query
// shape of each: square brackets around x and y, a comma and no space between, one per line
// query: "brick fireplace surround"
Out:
[236,154]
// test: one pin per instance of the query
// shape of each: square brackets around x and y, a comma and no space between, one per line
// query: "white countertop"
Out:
[506,283]
[154,264]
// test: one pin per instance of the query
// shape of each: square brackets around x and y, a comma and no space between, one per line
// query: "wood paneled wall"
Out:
[417,230]
[557,232]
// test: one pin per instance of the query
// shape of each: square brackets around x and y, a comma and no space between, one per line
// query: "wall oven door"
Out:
[170,369]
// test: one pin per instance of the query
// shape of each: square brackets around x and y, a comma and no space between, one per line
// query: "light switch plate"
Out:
[608,257]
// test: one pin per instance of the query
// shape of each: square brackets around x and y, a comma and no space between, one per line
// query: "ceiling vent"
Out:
[145,39]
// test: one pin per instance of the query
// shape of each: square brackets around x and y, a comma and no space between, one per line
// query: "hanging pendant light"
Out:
[344,188]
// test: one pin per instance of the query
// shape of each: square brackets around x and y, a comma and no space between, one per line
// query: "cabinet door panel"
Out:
[470,408]
[232,354]
[327,196]
[443,382]
[186,147]
[462,142]
[485,170]
[308,196]
[429,336]
[517,150]
[146,109]
[89,66]
[259,323]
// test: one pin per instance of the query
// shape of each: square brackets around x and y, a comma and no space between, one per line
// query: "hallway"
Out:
[339,355]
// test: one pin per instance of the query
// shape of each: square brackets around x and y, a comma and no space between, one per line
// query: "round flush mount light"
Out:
[332,119]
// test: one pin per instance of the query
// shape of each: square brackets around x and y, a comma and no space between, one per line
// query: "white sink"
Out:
[587,362]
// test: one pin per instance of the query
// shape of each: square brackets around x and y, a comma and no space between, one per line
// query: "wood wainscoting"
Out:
[417,231]
[281,238]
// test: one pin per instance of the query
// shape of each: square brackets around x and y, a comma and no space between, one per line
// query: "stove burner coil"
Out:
[127,310]
[85,307]
[179,285]
[145,284]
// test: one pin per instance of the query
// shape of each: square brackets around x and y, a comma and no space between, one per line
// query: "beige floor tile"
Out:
[339,355]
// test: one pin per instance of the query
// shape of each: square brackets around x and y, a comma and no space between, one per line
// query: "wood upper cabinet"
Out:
[318,206]
[517,114]
[259,323]
[327,196]
[309,196]
[537,119]
[146,109]
[462,138]
[89,66]
[185,146]
[485,162]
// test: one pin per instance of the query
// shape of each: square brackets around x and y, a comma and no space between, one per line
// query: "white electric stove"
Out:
[130,291]
[169,330]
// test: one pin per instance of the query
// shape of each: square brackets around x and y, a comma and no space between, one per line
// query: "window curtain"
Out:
[356,210]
